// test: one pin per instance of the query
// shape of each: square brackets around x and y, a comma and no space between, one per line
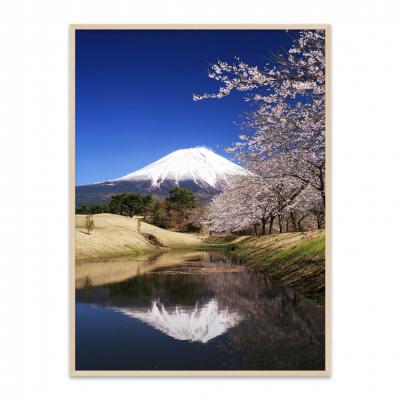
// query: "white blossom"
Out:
[284,140]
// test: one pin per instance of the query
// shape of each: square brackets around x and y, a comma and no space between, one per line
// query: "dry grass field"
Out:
[116,235]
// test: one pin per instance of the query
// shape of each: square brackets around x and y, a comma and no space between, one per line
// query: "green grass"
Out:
[301,266]
[224,243]
[311,251]
[217,246]
[137,251]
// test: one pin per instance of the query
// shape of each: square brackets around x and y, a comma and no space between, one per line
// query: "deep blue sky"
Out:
[134,94]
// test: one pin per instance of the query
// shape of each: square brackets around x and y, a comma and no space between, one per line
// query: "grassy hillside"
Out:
[295,259]
[115,235]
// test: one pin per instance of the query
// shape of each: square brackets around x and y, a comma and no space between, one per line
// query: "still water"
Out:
[191,311]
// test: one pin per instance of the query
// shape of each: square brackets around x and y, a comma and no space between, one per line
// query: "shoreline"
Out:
[295,259]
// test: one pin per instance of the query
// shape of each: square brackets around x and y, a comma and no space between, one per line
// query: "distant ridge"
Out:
[198,169]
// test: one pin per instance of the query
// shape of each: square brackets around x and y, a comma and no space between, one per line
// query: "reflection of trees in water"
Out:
[171,289]
[87,287]
[281,330]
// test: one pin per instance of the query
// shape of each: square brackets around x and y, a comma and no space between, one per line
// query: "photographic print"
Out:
[199,200]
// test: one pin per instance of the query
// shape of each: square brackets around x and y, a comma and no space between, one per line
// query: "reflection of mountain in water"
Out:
[194,324]
[254,323]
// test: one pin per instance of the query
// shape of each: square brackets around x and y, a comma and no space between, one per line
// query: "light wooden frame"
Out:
[328,272]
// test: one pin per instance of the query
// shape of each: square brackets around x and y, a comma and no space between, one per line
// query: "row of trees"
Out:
[179,210]
[264,206]
[283,140]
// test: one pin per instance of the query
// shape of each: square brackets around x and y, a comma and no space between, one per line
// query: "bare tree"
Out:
[89,223]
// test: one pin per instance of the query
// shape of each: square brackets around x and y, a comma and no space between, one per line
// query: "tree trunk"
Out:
[280,219]
[299,222]
[255,229]
[322,185]
[294,224]
[271,224]
[318,222]
[263,223]
[299,228]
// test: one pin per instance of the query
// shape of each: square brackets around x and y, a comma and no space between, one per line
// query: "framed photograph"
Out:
[200,200]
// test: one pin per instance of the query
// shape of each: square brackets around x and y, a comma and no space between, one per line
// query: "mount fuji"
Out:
[198,169]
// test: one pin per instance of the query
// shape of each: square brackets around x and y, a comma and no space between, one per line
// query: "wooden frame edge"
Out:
[71,263]
[198,26]
[328,273]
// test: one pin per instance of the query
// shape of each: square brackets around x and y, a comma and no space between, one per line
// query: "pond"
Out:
[192,311]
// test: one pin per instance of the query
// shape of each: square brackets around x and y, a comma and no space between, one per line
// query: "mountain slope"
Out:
[199,164]
[198,169]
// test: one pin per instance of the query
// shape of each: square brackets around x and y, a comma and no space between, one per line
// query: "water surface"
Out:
[191,311]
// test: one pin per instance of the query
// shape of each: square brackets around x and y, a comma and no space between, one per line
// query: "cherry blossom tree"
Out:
[284,138]
[251,201]
[235,209]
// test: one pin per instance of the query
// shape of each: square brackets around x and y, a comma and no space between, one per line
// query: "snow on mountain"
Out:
[197,169]
[197,164]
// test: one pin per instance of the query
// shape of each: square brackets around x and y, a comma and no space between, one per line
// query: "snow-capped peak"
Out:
[198,164]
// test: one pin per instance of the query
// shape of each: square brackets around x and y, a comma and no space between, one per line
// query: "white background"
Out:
[34,193]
